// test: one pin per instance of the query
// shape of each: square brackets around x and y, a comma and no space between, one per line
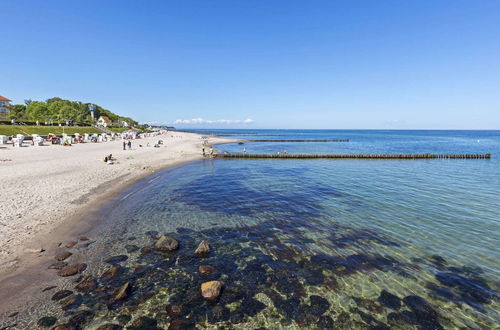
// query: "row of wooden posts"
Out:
[334,140]
[358,156]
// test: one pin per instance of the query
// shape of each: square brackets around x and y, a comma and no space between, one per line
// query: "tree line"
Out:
[58,110]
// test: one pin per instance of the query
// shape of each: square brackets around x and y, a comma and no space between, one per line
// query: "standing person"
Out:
[245,150]
[124,144]
[203,149]
[129,144]
[211,151]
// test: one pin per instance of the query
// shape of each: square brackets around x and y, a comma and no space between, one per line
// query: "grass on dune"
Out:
[44,130]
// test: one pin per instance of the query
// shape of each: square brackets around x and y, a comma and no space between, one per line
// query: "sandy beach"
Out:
[43,187]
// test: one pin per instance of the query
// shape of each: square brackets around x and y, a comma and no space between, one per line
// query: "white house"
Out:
[4,103]
[103,121]
[123,123]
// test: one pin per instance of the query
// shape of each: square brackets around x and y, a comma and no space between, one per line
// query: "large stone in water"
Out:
[206,270]
[202,250]
[71,302]
[49,288]
[46,321]
[81,317]
[173,310]
[166,244]
[63,256]
[211,290]
[110,273]
[122,292]
[319,305]
[69,245]
[470,289]
[389,300]
[116,259]
[88,284]
[420,306]
[72,270]
[58,265]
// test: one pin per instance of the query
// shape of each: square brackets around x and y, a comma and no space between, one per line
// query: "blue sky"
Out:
[261,64]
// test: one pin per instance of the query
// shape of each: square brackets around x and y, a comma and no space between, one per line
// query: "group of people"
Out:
[109,159]
[210,153]
[127,144]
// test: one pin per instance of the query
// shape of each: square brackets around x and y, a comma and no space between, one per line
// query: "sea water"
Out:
[318,243]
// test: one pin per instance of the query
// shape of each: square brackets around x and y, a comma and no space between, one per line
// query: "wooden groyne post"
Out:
[357,156]
[331,140]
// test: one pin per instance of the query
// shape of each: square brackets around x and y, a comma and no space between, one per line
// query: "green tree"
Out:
[17,111]
[67,112]
[37,110]
[53,99]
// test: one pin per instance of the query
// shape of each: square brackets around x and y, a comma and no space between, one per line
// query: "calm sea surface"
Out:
[310,243]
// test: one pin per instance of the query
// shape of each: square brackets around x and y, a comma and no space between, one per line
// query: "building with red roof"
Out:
[104,121]
[4,110]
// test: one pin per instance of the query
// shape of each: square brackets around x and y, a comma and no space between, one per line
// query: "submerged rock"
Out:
[173,310]
[87,284]
[202,250]
[110,326]
[211,290]
[319,305]
[52,287]
[389,300]
[69,245]
[325,322]
[143,322]
[122,292]
[131,248]
[61,294]
[166,244]
[206,270]
[473,291]
[421,313]
[110,273]
[46,321]
[419,306]
[71,302]
[58,265]
[81,317]
[63,256]
[71,270]
[116,259]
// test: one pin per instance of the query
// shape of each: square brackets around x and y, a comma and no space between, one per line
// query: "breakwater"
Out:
[322,140]
[358,156]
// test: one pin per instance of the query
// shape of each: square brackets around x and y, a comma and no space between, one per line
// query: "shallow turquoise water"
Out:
[315,243]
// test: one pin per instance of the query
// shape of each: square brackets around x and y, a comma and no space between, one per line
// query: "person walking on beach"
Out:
[203,150]
[124,144]
[211,151]
[129,144]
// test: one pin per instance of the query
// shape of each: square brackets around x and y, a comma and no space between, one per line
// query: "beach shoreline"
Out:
[83,183]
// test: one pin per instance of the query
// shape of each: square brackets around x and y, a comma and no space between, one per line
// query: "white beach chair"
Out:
[18,140]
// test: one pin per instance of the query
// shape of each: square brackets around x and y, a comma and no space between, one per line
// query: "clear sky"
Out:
[261,64]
